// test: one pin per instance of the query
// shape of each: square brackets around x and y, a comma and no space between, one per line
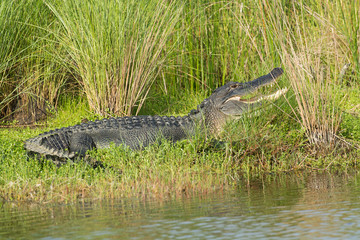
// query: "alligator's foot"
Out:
[212,145]
[93,162]
[98,164]
[217,144]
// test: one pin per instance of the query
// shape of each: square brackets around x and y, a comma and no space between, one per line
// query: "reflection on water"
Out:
[290,206]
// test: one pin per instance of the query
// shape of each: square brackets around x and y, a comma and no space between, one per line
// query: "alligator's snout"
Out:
[235,98]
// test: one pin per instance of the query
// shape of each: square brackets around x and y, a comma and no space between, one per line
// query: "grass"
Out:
[89,59]
[30,79]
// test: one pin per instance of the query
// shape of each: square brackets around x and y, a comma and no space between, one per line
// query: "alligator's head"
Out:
[232,100]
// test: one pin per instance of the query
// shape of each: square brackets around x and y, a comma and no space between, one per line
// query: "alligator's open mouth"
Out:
[255,99]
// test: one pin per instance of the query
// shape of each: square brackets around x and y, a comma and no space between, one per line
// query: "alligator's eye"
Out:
[233,86]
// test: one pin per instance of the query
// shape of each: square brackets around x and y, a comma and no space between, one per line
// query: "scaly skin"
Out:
[225,104]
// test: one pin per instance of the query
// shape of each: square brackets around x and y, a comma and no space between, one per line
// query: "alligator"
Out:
[224,104]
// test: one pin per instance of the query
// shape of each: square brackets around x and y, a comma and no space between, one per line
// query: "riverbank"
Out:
[271,142]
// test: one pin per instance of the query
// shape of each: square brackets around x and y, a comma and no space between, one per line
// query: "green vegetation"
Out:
[64,61]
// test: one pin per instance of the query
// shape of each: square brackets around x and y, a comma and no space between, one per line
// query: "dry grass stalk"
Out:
[310,67]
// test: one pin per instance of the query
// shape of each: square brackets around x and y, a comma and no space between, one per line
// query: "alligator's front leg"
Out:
[80,143]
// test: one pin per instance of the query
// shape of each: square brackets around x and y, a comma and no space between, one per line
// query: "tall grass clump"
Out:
[30,79]
[116,49]
[13,44]
[313,52]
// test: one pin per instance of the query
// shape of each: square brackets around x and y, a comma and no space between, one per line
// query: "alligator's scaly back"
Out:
[133,132]
[224,104]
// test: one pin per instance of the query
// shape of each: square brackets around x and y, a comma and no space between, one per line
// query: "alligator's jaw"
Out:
[271,97]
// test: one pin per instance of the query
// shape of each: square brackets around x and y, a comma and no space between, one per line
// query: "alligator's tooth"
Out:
[277,94]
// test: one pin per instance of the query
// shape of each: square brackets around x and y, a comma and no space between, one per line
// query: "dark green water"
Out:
[288,206]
